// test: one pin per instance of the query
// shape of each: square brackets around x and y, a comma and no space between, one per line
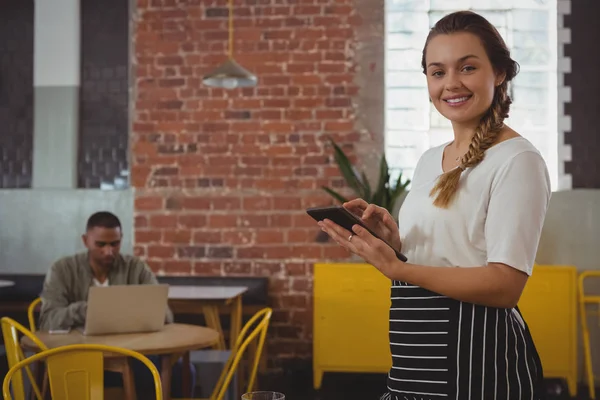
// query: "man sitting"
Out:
[65,291]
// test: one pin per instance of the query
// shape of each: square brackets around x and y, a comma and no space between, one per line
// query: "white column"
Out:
[57,71]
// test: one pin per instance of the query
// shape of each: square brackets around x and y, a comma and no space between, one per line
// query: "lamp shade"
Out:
[230,75]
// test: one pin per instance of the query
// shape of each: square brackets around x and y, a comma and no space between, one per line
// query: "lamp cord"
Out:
[230,28]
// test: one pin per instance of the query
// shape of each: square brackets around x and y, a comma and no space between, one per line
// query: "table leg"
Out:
[122,365]
[235,326]
[165,375]
[129,381]
[236,321]
[41,380]
[211,314]
[185,375]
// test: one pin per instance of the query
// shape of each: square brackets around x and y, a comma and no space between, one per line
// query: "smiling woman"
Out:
[469,227]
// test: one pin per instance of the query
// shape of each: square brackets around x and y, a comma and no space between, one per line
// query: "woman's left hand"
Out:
[360,242]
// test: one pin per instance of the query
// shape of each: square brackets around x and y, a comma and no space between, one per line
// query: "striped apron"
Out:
[447,349]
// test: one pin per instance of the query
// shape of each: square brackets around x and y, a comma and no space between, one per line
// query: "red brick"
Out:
[280,316]
[253,221]
[301,317]
[226,203]
[287,203]
[222,221]
[140,221]
[257,203]
[292,301]
[148,203]
[279,286]
[196,203]
[335,252]
[296,269]
[237,268]
[160,251]
[178,236]
[307,251]
[193,221]
[298,235]
[251,253]
[270,236]
[238,237]
[163,221]
[302,284]
[208,268]
[143,236]
[268,268]
[279,220]
[303,220]
[178,267]
[140,175]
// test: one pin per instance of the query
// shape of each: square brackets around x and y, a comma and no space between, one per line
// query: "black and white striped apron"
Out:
[446,349]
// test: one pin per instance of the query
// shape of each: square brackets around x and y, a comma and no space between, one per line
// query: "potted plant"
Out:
[385,194]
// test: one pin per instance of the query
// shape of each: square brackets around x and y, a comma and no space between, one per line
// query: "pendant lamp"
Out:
[230,74]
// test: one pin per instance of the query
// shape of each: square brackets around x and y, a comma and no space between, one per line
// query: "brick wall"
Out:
[584,82]
[16,93]
[222,177]
[104,114]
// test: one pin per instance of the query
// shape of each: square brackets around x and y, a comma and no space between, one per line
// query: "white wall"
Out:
[38,226]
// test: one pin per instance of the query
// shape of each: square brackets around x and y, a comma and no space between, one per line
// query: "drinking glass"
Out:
[263,396]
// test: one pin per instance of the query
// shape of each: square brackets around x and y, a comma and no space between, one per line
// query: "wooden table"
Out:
[207,300]
[172,342]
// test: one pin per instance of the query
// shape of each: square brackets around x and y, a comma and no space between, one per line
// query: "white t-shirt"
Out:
[103,284]
[496,216]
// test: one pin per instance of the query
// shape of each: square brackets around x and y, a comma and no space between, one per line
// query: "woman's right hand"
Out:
[378,219]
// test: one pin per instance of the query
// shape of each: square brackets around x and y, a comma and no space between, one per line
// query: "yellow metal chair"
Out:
[11,331]
[31,313]
[255,329]
[39,368]
[76,372]
[585,300]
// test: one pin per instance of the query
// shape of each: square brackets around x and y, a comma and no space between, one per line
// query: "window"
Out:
[412,123]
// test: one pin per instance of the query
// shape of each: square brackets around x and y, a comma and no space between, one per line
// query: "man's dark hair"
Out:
[103,219]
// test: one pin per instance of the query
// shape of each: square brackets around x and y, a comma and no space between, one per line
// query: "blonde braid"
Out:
[485,136]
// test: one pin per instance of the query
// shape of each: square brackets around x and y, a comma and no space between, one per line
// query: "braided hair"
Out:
[492,122]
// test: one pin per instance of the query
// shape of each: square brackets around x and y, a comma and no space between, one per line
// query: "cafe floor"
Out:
[367,387]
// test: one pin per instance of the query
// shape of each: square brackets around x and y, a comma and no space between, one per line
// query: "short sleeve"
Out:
[519,198]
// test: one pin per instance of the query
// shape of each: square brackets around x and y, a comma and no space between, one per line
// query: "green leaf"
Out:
[347,170]
[398,189]
[385,194]
[379,195]
[335,194]
[367,187]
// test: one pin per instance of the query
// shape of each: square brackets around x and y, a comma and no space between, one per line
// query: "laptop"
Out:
[126,309]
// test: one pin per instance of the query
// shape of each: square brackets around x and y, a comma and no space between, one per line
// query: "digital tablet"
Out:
[346,220]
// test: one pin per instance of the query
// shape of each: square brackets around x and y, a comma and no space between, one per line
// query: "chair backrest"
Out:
[11,332]
[261,319]
[584,300]
[76,372]
[31,313]
[587,299]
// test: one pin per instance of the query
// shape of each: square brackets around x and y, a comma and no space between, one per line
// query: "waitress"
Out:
[470,228]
